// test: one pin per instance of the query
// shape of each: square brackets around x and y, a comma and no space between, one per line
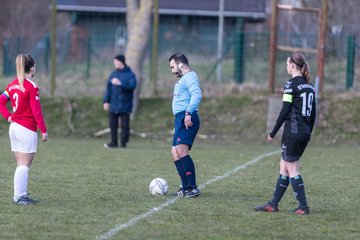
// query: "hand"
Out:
[187,121]
[269,138]
[9,120]
[106,106]
[44,136]
[116,81]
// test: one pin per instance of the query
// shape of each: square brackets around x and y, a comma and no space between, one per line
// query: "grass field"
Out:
[87,191]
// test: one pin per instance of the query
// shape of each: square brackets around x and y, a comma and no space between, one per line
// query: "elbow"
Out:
[199,97]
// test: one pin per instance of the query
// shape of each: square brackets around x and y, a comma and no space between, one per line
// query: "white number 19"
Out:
[307,102]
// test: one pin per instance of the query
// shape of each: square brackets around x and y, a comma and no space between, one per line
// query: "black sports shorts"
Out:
[183,135]
[293,146]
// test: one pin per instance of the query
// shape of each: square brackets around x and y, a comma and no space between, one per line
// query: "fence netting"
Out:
[87,42]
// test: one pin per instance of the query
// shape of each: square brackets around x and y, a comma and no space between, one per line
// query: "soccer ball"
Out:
[158,186]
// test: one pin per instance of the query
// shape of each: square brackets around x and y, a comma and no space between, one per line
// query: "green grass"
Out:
[86,190]
[229,118]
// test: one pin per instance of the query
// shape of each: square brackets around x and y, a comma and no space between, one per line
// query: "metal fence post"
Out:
[88,57]
[6,62]
[350,61]
[239,53]
[47,53]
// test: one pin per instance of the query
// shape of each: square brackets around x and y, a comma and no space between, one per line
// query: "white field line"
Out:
[171,201]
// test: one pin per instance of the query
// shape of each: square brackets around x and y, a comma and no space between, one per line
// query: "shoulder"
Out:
[292,84]
[30,84]
[113,73]
[128,70]
[288,88]
[34,84]
[190,76]
[10,84]
[193,74]
[14,82]
[300,84]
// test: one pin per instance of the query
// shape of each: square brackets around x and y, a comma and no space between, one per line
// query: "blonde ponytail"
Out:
[20,68]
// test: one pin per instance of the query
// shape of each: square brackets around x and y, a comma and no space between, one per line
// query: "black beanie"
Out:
[121,58]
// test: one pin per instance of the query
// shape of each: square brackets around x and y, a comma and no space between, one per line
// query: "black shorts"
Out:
[293,146]
[183,135]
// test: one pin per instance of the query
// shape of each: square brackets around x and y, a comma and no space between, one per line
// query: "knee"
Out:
[174,155]
[293,169]
[181,152]
[293,173]
[283,170]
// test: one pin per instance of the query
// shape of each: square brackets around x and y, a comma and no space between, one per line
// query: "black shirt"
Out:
[299,108]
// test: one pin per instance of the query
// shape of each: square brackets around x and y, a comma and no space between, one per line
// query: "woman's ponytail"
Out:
[306,71]
[299,60]
[24,63]
[20,68]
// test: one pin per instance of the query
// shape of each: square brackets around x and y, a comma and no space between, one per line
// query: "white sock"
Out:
[20,181]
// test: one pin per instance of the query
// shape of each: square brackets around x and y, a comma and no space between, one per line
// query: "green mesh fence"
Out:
[87,43]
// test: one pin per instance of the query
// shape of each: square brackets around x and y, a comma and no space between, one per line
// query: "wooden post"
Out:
[154,49]
[53,49]
[321,43]
[272,47]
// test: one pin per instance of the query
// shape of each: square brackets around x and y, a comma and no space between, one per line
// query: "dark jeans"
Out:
[125,127]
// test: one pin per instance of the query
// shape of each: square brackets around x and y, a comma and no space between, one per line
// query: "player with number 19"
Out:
[298,112]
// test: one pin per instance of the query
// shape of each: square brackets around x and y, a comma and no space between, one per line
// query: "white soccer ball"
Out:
[158,186]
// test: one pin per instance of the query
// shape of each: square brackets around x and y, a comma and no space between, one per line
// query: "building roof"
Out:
[232,8]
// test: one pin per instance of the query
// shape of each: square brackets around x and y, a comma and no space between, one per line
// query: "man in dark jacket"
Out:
[118,100]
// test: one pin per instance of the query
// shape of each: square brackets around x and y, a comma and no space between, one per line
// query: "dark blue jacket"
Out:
[121,97]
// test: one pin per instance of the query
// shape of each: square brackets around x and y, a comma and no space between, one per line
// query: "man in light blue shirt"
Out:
[186,100]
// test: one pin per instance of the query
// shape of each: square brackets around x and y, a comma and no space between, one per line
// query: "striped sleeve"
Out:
[4,98]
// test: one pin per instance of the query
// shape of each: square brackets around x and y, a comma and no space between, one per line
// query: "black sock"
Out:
[181,171]
[299,190]
[189,168]
[280,188]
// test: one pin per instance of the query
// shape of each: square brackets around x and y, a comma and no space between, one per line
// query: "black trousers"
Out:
[125,127]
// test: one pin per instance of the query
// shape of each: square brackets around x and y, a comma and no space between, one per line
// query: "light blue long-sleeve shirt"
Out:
[187,94]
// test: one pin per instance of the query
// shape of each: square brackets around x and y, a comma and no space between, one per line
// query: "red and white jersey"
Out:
[25,103]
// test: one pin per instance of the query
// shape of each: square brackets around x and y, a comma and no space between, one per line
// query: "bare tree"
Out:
[138,21]
[23,19]
[342,17]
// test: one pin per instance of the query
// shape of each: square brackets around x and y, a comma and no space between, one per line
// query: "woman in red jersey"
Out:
[24,120]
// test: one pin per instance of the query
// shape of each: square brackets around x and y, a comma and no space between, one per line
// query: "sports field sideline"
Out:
[87,192]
